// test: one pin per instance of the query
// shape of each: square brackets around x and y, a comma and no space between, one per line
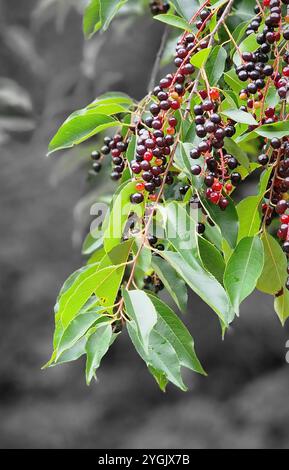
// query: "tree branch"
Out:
[158,59]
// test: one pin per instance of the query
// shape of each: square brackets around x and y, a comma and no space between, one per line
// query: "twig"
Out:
[210,44]
[158,60]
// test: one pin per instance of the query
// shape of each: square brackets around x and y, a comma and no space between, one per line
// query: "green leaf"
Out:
[78,327]
[277,129]
[226,220]
[97,345]
[160,377]
[274,274]
[212,259]
[215,65]
[186,8]
[248,45]
[91,18]
[112,97]
[108,10]
[240,116]
[237,152]
[248,209]
[281,306]
[249,216]
[92,281]
[91,244]
[243,270]
[130,153]
[161,356]
[80,127]
[175,21]
[175,286]
[203,283]
[72,354]
[121,208]
[174,331]
[141,309]
[233,81]
[181,228]
[200,58]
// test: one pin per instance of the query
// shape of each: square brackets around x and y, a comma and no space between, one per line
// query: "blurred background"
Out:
[47,71]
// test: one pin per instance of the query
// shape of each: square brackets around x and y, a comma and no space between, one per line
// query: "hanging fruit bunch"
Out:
[177,220]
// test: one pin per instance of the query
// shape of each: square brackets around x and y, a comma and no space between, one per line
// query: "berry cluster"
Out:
[156,139]
[255,66]
[158,7]
[276,203]
[217,165]
[116,146]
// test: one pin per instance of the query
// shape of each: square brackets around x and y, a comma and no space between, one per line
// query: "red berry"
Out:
[217,186]
[214,94]
[286,71]
[173,121]
[284,219]
[139,186]
[281,235]
[228,187]
[175,104]
[148,156]
[214,197]
[270,112]
[153,197]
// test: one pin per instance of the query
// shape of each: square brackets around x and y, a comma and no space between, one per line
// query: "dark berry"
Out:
[95,155]
[136,198]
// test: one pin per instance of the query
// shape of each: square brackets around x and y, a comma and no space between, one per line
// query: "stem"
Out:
[210,44]
[158,60]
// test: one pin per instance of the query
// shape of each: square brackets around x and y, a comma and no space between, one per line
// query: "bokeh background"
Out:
[46,72]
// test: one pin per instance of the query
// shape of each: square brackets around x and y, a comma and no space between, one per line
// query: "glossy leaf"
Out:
[215,65]
[240,116]
[274,274]
[249,209]
[108,10]
[112,98]
[226,220]
[121,209]
[174,331]
[200,58]
[248,45]
[142,311]
[186,8]
[249,216]
[175,286]
[281,306]
[243,270]
[175,21]
[92,281]
[235,150]
[91,18]
[97,345]
[79,326]
[211,259]
[80,127]
[160,357]
[202,283]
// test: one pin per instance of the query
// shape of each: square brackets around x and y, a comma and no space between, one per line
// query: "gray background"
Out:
[244,401]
